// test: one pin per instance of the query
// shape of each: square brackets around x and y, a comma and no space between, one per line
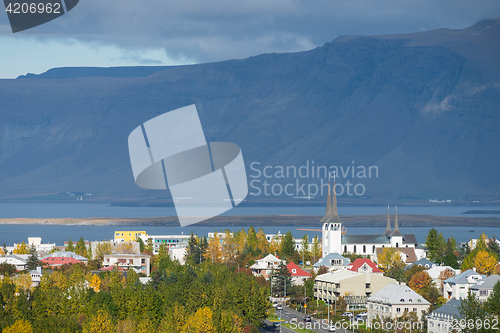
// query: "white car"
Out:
[332,328]
[279,307]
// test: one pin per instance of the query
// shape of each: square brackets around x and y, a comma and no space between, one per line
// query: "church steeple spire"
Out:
[334,215]
[396,231]
[388,230]
[328,205]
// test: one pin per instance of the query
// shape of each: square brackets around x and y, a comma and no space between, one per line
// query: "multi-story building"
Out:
[61,258]
[127,236]
[140,263]
[169,241]
[264,267]
[364,265]
[458,286]
[395,299]
[18,260]
[444,319]
[355,287]
[332,261]
[298,274]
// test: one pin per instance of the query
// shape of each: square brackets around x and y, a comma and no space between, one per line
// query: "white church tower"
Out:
[332,225]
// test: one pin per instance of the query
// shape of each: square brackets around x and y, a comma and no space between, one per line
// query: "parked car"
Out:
[307,319]
[279,307]
[361,316]
[294,319]
[332,328]
[347,314]
[277,324]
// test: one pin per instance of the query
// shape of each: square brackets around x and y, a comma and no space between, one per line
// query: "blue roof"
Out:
[487,283]
[450,308]
[326,260]
[422,262]
[462,277]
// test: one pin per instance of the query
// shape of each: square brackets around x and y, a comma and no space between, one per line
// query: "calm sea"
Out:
[58,234]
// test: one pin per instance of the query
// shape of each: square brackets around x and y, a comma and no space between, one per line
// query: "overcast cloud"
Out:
[156,32]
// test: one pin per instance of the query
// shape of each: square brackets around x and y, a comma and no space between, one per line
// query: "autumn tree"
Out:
[229,247]
[126,248]
[200,322]
[94,281]
[388,257]
[103,248]
[275,245]
[214,249]
[485,263]
[262,243]
[419,281]
[251,240]
[20,326]
[99,323]
[304,248]
[444,275]
[21,248]
[316,249]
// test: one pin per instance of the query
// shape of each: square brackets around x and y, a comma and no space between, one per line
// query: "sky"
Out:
[105,33]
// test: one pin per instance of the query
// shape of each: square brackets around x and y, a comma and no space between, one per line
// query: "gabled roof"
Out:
[487,283]
[462,277]
[450,308]
[409,252]
[435,271]
[360,262]
[269,258]
[326,260]
[398,294]
[298,270]
[365,239]
[422,262]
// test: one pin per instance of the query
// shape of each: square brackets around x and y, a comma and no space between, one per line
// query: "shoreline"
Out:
[405,220]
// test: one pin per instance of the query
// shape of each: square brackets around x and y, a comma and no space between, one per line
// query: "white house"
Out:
[458,286]
[333,261]
[264,267]
[140,263]
[435,271]
[484,287]
[19,261]
[394,300]
[444,318]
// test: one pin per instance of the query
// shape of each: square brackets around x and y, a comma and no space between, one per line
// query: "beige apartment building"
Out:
[355,287]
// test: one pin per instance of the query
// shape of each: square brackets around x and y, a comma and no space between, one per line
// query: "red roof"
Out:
[298,272]
[58,261]
[359,262]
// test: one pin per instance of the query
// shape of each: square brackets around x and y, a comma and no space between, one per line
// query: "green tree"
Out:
[436,246]
[281,279]
[450,259]
[471,310]
[32,262]
[304,248]
[492,305]
[252,238]
[493,246]
[81,248]
[288,244]
[139,240]
[70,246]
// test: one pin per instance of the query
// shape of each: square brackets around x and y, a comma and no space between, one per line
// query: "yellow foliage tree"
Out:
[2,252]
[262,243]
[229,246]
[126,326]
[200,322]
[126,248]
[444,275]
[485,263]
[214,249]
[103,248]
[23,282]
[21,248]
[59,280]
[20,326]
[100,323]
[387,257]
[94,281]
[275,245]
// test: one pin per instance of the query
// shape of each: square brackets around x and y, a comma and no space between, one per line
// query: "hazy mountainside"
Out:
[423,108]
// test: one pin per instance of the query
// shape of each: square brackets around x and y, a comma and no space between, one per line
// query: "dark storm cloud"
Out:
[221,29]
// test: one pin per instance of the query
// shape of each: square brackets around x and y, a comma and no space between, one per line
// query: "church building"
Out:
[336,240]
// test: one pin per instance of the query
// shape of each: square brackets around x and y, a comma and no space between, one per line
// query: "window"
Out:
[294,271]
[407,310]
[414,309]
[398,310]
[143,261]
[483,292]
[373,249]
[397,244]
[364,248]
[345,248]
[354,251]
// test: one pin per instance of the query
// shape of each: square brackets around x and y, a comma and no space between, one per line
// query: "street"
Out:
[287,314]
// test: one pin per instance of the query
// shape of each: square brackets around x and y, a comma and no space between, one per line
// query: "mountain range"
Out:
[422,109]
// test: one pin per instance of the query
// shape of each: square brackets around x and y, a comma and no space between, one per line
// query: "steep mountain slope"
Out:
[423,108]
